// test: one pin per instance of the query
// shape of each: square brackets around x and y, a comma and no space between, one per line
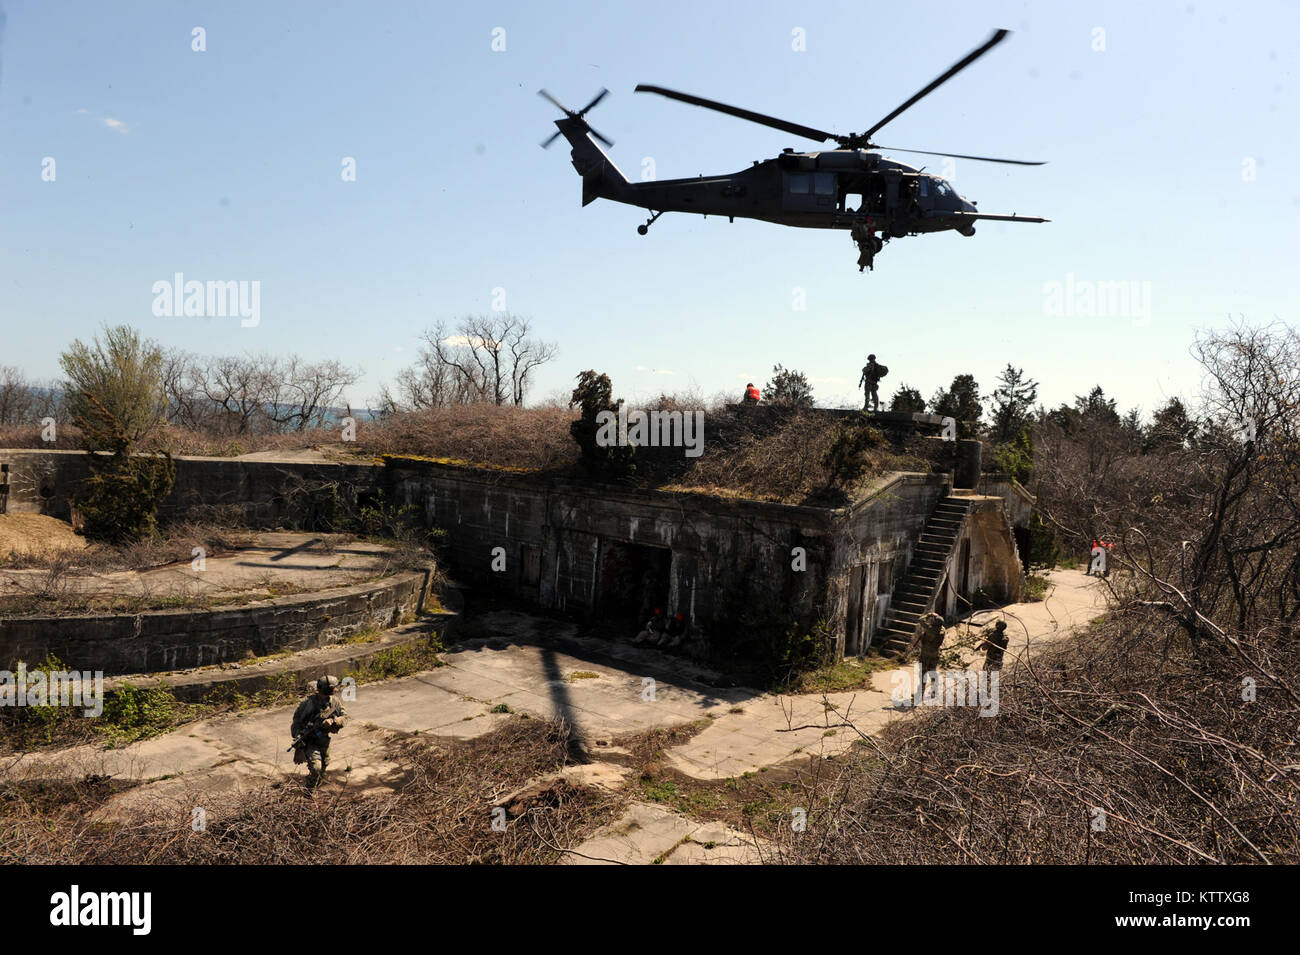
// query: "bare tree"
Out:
[239,388]
[17,396]
[483,358]
[179,371]
[301,393]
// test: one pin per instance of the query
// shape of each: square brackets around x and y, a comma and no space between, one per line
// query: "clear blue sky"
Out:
[225,165]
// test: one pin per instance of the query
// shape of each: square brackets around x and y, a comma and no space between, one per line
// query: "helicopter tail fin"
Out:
[601,179]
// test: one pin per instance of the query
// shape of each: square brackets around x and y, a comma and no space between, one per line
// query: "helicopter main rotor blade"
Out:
[997,37]
[927,152]
[799,130]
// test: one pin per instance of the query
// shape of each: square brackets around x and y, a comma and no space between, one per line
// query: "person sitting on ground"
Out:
[654,629]
[751,394]
[676,633]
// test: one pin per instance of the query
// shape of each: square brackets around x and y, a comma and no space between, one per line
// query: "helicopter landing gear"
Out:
[868,245]
[643,229]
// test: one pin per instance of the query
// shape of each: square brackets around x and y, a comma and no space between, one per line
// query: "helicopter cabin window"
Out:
[824,183]
[800,184]
[925,184]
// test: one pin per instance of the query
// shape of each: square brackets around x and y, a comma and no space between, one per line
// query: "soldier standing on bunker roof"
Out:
[993,640]
[931,626]
[871,375]
[316,719]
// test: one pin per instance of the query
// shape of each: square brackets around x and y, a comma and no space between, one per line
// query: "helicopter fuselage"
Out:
[831,189]
[851,189]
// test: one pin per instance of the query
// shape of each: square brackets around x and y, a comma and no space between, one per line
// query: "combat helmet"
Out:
[327,685]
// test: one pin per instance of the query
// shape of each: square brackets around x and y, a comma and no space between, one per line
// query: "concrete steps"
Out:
[914,595]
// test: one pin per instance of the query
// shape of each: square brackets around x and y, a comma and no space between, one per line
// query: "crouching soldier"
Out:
[993,640]
[317,718]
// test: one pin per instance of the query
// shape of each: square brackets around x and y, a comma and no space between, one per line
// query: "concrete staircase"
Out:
[914,596]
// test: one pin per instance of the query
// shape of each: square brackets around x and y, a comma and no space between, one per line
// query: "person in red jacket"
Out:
[751,394]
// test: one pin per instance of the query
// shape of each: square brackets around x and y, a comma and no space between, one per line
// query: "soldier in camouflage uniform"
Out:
[314,750]
[993,640]
[931,640]
[872,372]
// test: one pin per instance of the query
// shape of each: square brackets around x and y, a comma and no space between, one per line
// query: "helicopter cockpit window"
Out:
[824,183]
[941,188]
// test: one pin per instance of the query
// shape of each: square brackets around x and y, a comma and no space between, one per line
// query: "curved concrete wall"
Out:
[179,639]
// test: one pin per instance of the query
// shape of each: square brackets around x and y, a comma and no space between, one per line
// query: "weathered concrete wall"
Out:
[983,558]
[174,639]
[874,540]
[562,541]
[267,493]
[724,554]
[40,482]
[1019,502]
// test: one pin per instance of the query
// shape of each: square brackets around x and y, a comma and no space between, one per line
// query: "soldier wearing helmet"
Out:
[872,372]
[993,641]
[317,718]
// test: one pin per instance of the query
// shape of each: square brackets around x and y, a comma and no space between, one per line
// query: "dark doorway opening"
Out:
[634,582]
[1022,545]
[964,569]
[856,623]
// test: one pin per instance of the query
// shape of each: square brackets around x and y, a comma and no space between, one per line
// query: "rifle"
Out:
[314,727]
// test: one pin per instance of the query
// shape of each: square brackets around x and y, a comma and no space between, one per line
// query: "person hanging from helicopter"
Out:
[869,244]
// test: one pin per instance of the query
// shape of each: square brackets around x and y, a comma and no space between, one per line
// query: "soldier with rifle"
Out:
[993,641]
[930,636]
[316,719]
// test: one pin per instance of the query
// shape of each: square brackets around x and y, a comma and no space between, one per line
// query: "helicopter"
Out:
[851,187]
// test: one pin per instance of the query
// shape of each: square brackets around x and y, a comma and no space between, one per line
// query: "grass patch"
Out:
[399,661]
[1035,589]
[851,673]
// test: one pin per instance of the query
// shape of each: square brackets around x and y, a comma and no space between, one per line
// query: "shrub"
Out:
[119,501]
[141,708]
[847,459]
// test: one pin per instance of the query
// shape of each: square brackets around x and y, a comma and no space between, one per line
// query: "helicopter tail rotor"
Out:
[577,115]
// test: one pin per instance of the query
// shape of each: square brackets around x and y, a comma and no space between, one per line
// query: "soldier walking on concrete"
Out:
[317,718]
[871,375]
[993,640]
[931,640]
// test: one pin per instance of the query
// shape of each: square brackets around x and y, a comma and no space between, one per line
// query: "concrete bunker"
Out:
[857,575]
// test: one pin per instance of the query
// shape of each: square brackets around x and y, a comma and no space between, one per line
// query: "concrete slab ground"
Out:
[304,561]
[527,667]
[646,834]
